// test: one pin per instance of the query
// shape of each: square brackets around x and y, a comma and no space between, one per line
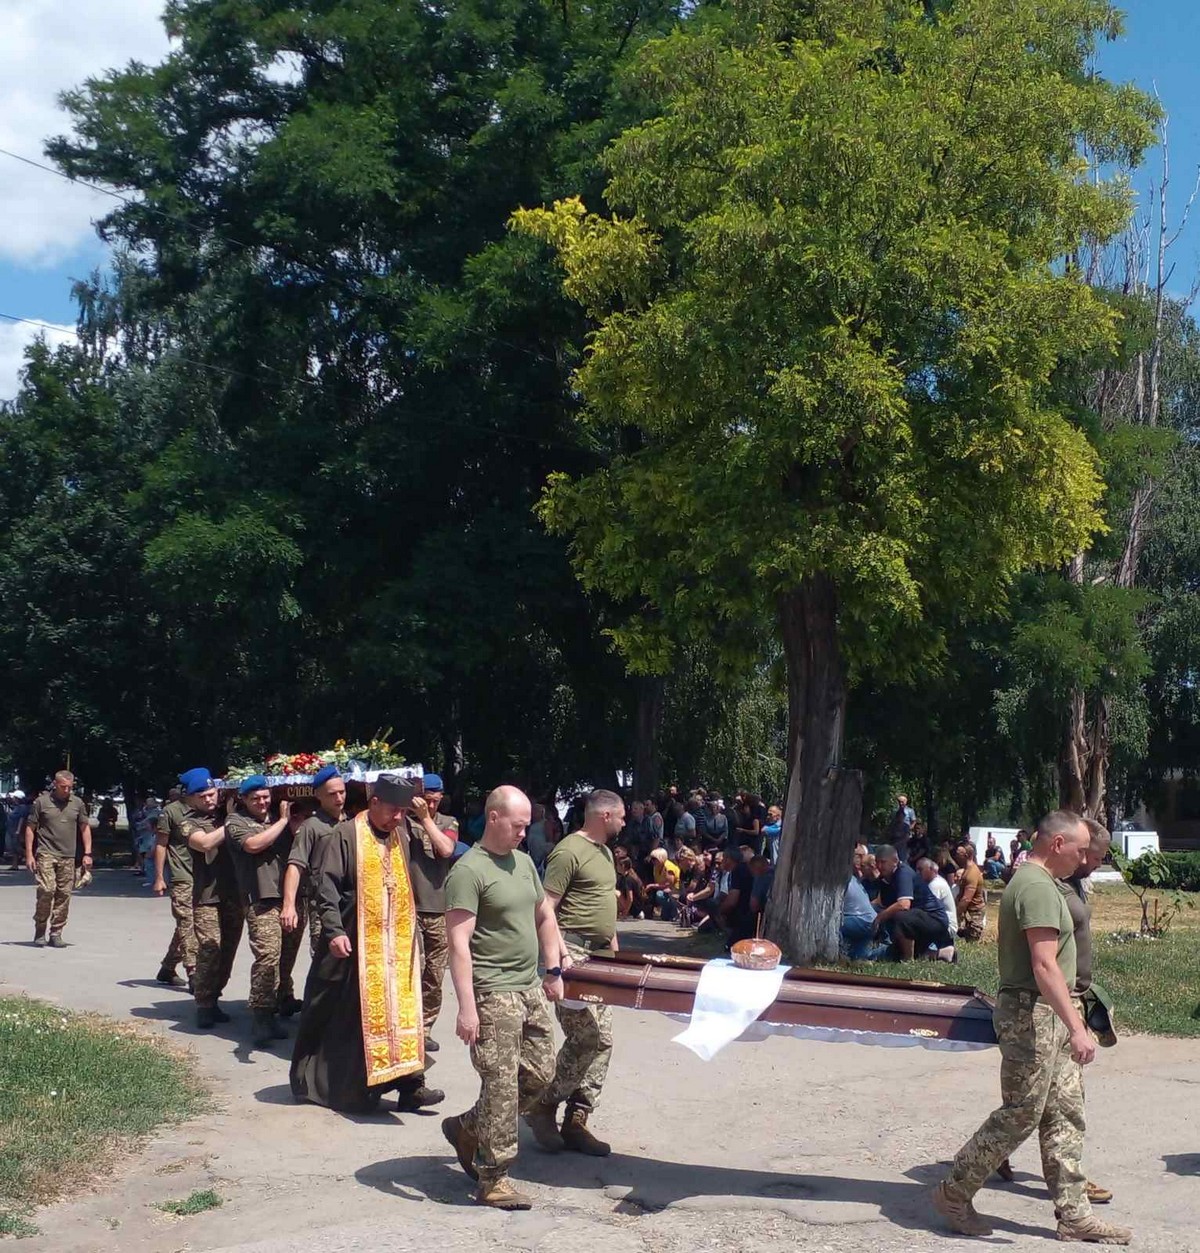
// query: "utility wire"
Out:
[334,282]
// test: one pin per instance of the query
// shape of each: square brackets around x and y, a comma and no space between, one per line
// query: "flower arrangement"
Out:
[376,754]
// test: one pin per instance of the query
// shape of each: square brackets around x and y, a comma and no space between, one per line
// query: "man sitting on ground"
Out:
[972,897]
[930,876]
[734,911]
[911,913]
[858,914]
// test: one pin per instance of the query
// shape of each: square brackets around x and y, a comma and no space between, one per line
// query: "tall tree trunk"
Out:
[649,690]
[1083,758]
[822,813]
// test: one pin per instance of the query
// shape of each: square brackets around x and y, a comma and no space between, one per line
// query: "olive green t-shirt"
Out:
[1032,900]
[171,824]
[259,875]
[310,838]
[583,875]
[502,893]
[56,823]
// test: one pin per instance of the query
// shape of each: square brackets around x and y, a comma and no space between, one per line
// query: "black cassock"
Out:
[328,1064]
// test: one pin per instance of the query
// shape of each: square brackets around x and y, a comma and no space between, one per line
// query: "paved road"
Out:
[770,1146]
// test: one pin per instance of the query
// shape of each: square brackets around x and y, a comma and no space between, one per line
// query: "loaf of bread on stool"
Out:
[756,955]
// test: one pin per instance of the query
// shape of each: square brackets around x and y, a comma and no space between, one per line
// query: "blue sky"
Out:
[49,45]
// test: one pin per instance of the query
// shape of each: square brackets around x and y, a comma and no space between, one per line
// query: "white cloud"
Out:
[14,336]
[47,47]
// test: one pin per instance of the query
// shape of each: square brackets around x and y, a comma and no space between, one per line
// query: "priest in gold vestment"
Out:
[361,1034]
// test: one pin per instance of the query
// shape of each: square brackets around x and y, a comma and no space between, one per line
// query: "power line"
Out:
[304,381]
[332,281]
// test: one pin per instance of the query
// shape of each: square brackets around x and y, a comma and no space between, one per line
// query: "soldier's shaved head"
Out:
[508,811]
[503,798]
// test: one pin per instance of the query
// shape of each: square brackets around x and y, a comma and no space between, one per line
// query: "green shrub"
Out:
[1172,872]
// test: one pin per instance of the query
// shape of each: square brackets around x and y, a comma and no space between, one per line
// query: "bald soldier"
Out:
[497,919]
[1043,1041]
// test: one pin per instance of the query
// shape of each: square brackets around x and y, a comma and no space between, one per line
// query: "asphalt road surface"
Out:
[771,1146]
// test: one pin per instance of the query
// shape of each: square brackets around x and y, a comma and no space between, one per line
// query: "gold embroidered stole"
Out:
[389,965]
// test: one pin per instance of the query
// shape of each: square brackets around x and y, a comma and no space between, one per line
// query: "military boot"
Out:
[500,1194]
[264,1035]
[219,1015]
[1097,1194]
[577,1137]
[464,1142]
[408,1100]
[960,1215]
[542,1120]
[1092,1230]
[206,1017]
[289,1006]
[169,977]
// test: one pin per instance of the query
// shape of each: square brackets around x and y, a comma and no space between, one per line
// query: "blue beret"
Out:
[325,774]
[253,784]
[198,780]
[433,783]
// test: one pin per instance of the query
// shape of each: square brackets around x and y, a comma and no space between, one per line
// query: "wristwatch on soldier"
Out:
[553,972]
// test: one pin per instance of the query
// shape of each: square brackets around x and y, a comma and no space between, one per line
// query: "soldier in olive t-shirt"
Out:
[582,873]
[581,883]
[1032,900]
[502,893]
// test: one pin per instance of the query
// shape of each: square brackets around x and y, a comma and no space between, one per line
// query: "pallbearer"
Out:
[432,837]
[362,1032]
[581,884]
[261,849]
[300,878]
[196,811]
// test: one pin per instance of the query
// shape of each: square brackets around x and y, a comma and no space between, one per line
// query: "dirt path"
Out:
[771,1146]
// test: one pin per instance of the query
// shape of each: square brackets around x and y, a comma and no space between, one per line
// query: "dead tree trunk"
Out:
[823,806]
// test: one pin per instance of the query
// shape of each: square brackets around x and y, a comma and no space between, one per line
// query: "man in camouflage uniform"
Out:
[194,811]
[1043,1045]
[304,859]
[57,820]
[217,914]
[260,853]
[581,884]
[497,919]
[431,841]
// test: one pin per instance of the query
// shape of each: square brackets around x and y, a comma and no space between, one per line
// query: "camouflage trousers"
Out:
[435,952]
[314,924]
[55,882]
[586,1050]
[183,942]
[514,1058]
[1042,1090]
[218,934]
[274,952]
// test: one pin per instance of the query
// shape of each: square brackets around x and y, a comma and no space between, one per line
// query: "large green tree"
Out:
[828,324]
[360,380]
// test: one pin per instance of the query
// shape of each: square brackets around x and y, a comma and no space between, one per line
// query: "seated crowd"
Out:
[706,864]
[896,911]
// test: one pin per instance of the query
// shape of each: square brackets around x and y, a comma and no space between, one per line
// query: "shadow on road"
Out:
[655,1185]
[1182,1163]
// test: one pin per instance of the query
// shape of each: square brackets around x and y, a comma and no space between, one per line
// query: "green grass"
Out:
[197,1203]
[1155,983]
[76,1090]
[17,1227]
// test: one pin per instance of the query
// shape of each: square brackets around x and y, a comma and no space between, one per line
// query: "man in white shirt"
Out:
[941,889]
